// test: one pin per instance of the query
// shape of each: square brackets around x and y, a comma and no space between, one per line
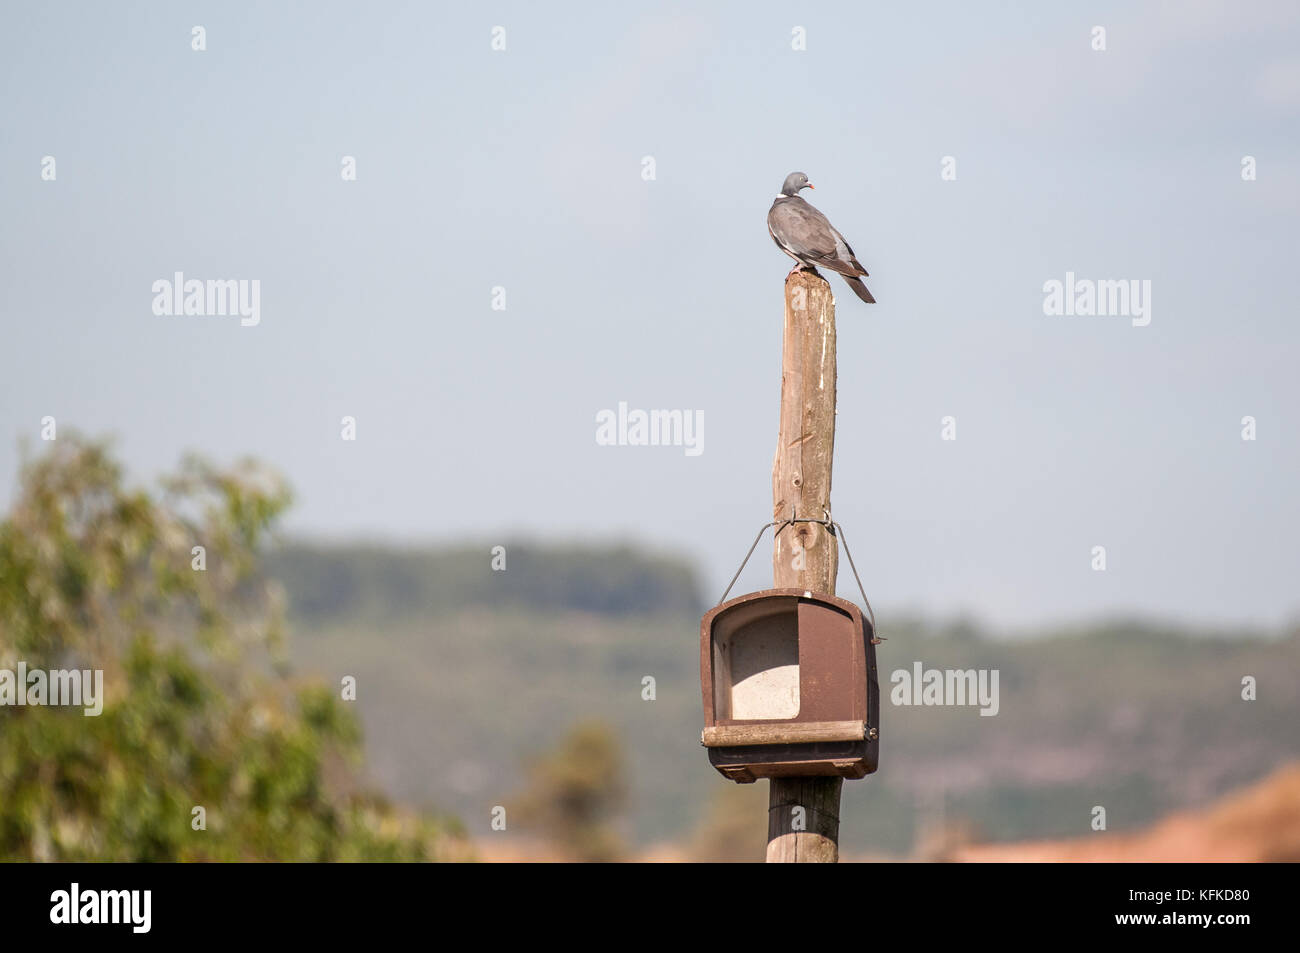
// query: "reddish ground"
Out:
[1258,823]
[1254,824]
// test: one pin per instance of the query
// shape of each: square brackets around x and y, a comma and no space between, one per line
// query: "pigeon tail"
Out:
[859,289]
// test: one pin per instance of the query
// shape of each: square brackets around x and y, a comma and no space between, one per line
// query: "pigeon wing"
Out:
[805,234]
[847,255]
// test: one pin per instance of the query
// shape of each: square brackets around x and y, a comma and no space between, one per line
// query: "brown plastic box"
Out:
[790,687]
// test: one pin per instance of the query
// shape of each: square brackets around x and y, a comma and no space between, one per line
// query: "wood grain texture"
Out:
[801,473]
[784,733]
[812,804]
[803,813]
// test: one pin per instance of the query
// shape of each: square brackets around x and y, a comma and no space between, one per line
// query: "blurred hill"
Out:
[1260,824]
[464,674]
[375,582]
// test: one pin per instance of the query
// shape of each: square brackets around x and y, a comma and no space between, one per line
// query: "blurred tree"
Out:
[575,793]
[939,839]
[734,827]
[199,708]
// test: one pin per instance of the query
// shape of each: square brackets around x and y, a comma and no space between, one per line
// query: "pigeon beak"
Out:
[811,186]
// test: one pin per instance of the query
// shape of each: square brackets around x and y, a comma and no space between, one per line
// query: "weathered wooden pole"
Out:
[805,555]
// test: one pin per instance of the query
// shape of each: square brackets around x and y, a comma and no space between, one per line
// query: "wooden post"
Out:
[805,555]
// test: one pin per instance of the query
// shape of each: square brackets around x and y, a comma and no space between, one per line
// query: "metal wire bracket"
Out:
[832,527]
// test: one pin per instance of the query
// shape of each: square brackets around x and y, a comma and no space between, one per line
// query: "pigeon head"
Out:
[794,182]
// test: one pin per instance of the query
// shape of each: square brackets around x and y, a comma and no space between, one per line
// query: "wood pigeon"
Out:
[805,235]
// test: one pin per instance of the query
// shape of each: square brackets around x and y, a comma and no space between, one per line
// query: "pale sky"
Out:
[522,169]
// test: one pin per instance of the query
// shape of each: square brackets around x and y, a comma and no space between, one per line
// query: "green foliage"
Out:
[199,711]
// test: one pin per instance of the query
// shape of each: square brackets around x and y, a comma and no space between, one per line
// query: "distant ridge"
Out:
[466,673]
[326,581]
